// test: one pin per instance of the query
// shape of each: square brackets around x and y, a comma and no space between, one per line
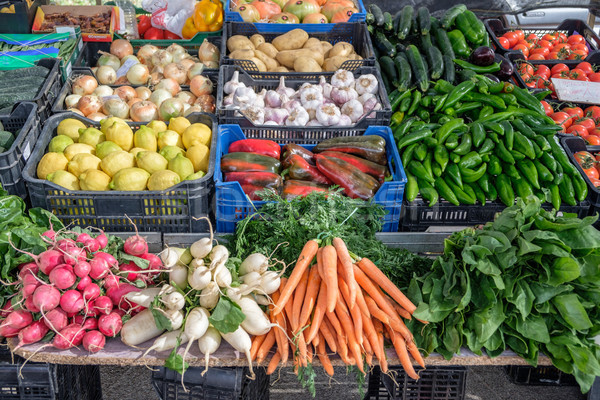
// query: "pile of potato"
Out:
[291,52]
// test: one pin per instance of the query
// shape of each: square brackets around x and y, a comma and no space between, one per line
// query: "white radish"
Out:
[176,317]
[236,293]
[256,321]
[222,276]
[173,300]
[196,262]
[199,278]
[240,340]
[218,253]
[270,282]
[251,277]
[201,248]
[143,298]
[169,257]
[139,329]
[209,297]
[208,344]
[167,341]
[178,274]
[262,300]
[196,325]
[255,262]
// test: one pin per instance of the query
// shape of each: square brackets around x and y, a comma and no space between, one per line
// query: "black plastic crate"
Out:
[259,81]
[354,33]
[496,28]
[172,210]
[375,388]
[59,103]
[23,119]
[539,376]
[216,384]
[435,383]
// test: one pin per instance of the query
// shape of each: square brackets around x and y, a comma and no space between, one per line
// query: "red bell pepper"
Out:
[143,24]
[171,35]
[256,146]
[264,179]
[298,168]
[250,190]
[293,188]
[292,148]
[377,171]
[154,34]
[356,184]
[371,147]
[249,162]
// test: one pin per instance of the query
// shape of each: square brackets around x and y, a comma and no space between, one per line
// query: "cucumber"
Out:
[388,23]
[424,20]
[381,41]
[404,72]
[388,69]
[443,43]
[436,62]
[449,71]
[417,65]
[451,14]
[426,42]
[397,22]
[406,18]
[377,14]
[370,19]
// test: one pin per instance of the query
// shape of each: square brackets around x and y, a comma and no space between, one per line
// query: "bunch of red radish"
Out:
[75,291]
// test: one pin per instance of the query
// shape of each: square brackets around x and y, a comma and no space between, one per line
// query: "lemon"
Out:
[179,124]
[145,138]
[199,155]
[130,179]
[151,161]
[169,138]
[91,136]
[110,121]
[157,126]
[94,180]
[182,166]
[121,134]
[64,179]
[105,148]
[50,163]
[197,175]
[196,133]
[161,180]
[136,150]
[82,162]
[59,143]
[77,148]
[170,152]
[114,162]
[70,127]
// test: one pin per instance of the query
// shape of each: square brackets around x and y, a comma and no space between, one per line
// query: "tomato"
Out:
[576,112]
[143,24]
[576,73]
[554,55]
[532,37]
[589,123]
[520,34]
[524,49]
[560,46]
[584,158]
[547,108]
[537,56]
[171,35]
[504,42]
[577,55]
[577,130]
[529,45]
[154,34]
[549,37]
[575,39]
[542,83]
[594,132]
[542,71]
[592,173]
[526,68]
[594,77]
[585,67]
[558,68]
[562,118]
[595,182]
[561,37]
[593,140]
[512,38]
[544,43]
[592,112]
[560,76]
[530,82]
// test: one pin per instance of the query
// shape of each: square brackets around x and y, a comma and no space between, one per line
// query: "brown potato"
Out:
[239,42]
[341,49]
[291,40]
[312,42]
[241,54]
[334,63]
[268,49]
[268,61]
[287,57]
[306,64]
[326,47]
[259,64]
[257,40]
[281,68]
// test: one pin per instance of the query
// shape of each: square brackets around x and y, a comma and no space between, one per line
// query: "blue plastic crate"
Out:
[234,16]
[232,204]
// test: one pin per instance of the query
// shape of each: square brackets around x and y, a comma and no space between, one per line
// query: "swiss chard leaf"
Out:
[227,316]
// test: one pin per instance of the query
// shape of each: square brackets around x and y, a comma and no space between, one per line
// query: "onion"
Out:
[143,92]
[133,101]
[177,57]
[208,52]
[211,64]
[207,102]
[103,90]
[138,74]
[116,108]
[71,100]
[106,75]
[186,106]
[159,95]
[129,57]
[121,48]
[109,60]
[143,111]
[196,69]
[170,108]
[176,72]
[193,109]
[176,48]
[156,77]
[187,63]
[122,80]
[97,116]
[186,97]
[169,85]
[89,104]
[162,57]
[84,84]
[76,111]
[200,85]
[126,93]
[145,53]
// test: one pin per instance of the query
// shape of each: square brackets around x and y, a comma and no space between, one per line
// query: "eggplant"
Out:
[493,78]
[506,68]
[482,56]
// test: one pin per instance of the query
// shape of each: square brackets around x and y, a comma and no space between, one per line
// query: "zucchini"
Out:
[424,20]
[386,48]
[370,19]
[400,48]
[449,71]
[417,65]
[386,83]
[426,42]
[404,72]
[436,62]
[443,43]
[397,22]
[406,18]
[388,69]
[377,14]
[388,24]
[451,14]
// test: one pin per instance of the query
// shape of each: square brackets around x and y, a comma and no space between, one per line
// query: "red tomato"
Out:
[585,67]
[561,37]
[542,71]
[538,56]
[504,42]
[576,112]
[143,24]
[584,158]
[523,49]
[594,77]
[544,43]
[592,112]
[575,39]
[520,34]
[562,118]
[532,37]
[530,81]
[593,140]
[594,132]
[577,130]
[554,55]
[547,108]
[542,83]
[589,123]
[560,46]
[512,38]
[526,68]
[558,68]
[592,173]
[576,73]
[577,55]
[595,182]
[549,37]
[561,76]
[154,34]
[529,45]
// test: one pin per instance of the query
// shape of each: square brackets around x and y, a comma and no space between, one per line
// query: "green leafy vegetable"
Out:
[175,361]
[160,319]
[227,316]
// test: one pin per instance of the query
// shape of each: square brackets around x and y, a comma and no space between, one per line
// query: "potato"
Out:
[241,54]
[291,40]
[259,64]
[332,64]
[239,42]
[281,68]
[306,64]
[355,57]
[326,47]
[268,61]
[287,57]
[268,49]
[312,42]
[341,49]
[257,40]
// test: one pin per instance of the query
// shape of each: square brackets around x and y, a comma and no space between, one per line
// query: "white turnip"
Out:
[208,344]
[199,277]
[240,341]
[173,300]
[209,297]
[176,317]
[222,275]
[167,341]
[255,262]
[218,253]
[256,321]
[178,275]
[144,297]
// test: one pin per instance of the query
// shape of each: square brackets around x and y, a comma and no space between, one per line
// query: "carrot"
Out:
[304,259]
[282,345]
[256,342]
[302,349]
[401,311]
[326,334]
[322,354]
[376,311]
[378,330]
[344,317]
[348,270]
[310,298]
[309,353]
[265,347]
[360,300]
[376,346]
[414,351]
[273,363]
[320,262]
[371,270]
[319,313]
[330,276]
[298,297]
[335,322]
[314,342]
[402,352]
[368,352]
[354,311]
[342,348]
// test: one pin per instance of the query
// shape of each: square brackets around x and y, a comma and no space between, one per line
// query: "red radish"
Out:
[112,262]
[48,259]
[63,277]
[90,311]
[103,305]
[30,305]
[86,280]
[102,240]
[132,269]
[92,245]
[30,283]
[65,244]
[32,333]
[116,294]
[120,312]
[46,298]
[94,341]
[6,331]
[56,319]
[82,268]
[111,280]
[71,335]
[155,263]
[91,292]
[30,266]
[111,324]
[18,319]
[98,267]
[135,245]
[82,238]
[72,301]
[6,309]
[87,323]
[50,234]
[73,255]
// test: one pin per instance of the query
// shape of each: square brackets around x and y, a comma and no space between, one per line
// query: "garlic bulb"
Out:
[278,115]
[328,114]
[313,122]
[370,105]
[344,120]
[342,95]
[364,97]
[243,96]
[282,89]
[272,99]
[291,104]
[311,97]
[255,114]
[298,117]
[342,78]
[366,84]
[260,99]
[233,84]
[228,100]
[353,109]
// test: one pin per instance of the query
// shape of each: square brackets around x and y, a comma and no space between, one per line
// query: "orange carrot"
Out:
[348,270]
[310,298]
[302,349]
[282,345]
[342,348]
[315,341]
[324,358]
[326,333]
[336,325]
[376,346]
[256,342]
[401,311]
[402,352]
[376,311]
[378,330]
[309,352]
[371,270]
[304,259]
[368,352]
[355,312]
[414,351]
[330,276]
[298,297]
[265,347]
[319,313]
[360,300]
[344,317]
[273,363]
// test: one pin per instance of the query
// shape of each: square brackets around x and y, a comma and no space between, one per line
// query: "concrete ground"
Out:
[483,383]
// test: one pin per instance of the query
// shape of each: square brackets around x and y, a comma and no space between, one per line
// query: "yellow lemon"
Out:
[64,179]
[114,162]
[70,127]
[82,162]
[50,163]
[130,179]
[169,138]
[199,155]
[179,124]
[77,148]
[94,180]
[196,133]
[59,143]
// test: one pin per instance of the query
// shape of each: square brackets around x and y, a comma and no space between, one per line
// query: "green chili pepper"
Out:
[428,192]
[544,173]
[494,127]
[517,155]
[414,137]
[536,149]
[412,188]
[453,173]
[509,134]
[452,142]
[493,136]
[465,145]
[494,166]
[542,143]
[416,98]
[482,87]
[421,152]
[529,172]
[439,102]
[470,160]
[494,67]
[405,104]
[423,114]
[524,145]
[488,145]
[441,156]
[555,197]
[418,170]
[459,43]
[524,129]
[581,188]
[436,169]
[445,191]
[505,190]
[458,93]
[408,153]
[470,175]
[510,170]
[463,108]
[489,99]
[567,191]
[526,99]
[478,134]
[395,103]
[479,194]
[485,112]
[508,87]
[509,98]
[522,187]
[397,118]
[431,142]
[461,194]
[484,183]
[443,86]
[504,154]
[454,158]
[561,157]
[426,101]
[403,128]
[446,129]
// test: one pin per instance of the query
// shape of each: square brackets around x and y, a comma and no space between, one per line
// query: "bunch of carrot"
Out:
[345,305]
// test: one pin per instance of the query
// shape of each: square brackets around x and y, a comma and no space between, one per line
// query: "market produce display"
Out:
[589,164]
[114,157]
[20,85]
[295,11]
[576,120]
[550,46]
[538,76]
[148,32]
